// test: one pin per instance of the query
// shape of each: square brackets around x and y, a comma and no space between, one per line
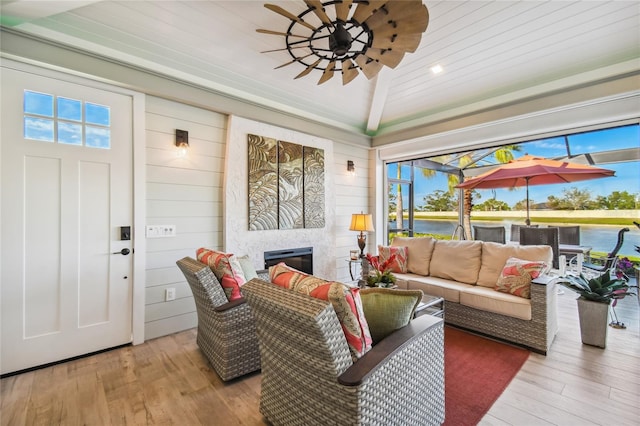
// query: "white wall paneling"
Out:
[185,192]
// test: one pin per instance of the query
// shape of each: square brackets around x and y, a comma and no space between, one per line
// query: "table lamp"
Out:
[364,223]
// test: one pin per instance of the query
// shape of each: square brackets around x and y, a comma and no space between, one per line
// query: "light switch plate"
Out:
[160,231]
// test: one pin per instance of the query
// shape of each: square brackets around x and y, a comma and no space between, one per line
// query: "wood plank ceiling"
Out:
[491,52]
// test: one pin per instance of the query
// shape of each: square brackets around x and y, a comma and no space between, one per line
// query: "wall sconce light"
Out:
[182,142]
[351,168]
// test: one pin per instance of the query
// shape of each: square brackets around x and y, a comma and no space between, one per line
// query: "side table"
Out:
[430,305]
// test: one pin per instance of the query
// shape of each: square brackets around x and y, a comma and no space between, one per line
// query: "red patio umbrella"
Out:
[531,170]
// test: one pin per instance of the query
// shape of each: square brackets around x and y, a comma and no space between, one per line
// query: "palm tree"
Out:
[502,155]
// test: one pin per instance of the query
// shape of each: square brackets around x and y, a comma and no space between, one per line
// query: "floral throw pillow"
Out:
[226,268]
[285,276]
[399,264]
[517,274]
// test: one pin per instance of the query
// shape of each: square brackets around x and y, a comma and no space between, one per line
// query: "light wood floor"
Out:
[168,381]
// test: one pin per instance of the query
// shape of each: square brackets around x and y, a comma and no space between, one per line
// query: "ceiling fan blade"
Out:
[400,27]
[281,11]
[328,72]
[308,69]
[397,10]
[404,42]
[319,11]
[390,58]
[295,60]
[364,10]
[413,23]
[342,10]
[349,71]
[284,48]
[370,67]
[259,30]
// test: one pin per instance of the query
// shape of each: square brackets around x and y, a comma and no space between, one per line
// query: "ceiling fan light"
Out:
[436,69]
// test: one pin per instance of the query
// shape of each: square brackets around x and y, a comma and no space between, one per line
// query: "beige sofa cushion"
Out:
[495,255]
[487,299]
[440,287]
[419,251]
[457,260]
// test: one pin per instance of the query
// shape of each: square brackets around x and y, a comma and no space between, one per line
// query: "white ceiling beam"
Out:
[380,94]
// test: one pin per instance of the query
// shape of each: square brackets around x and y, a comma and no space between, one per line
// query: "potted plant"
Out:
[596,295]
[381,275]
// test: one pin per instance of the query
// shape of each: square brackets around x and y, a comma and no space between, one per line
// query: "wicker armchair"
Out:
[308,377]
[226,330]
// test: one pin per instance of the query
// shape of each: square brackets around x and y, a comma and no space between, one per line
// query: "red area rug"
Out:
[477,371]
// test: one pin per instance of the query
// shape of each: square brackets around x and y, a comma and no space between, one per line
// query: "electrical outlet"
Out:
[169,294]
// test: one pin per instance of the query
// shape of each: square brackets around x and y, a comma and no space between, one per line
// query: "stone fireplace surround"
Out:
[237,238]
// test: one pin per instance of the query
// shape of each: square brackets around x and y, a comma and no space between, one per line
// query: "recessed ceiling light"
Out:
[436,69]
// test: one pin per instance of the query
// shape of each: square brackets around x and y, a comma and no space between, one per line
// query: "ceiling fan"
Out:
[346,36]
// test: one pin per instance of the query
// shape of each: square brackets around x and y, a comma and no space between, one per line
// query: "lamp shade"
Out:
[361,222]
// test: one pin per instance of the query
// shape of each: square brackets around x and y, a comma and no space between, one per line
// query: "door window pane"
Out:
[97,114]
[69,133]
[38,129]
[69,109]
[38,103]
[98,137]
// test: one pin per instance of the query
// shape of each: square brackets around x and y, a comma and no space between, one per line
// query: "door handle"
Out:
[124,252]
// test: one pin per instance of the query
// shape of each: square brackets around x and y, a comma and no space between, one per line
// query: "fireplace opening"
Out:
[298,258]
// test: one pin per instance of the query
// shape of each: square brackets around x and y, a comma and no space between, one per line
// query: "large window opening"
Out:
[431,205]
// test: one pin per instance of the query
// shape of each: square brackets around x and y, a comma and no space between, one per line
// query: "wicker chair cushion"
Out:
[419,252]
[227,270]
[388,309]
[399,263]
[346,303]
[517,274]
[456,260]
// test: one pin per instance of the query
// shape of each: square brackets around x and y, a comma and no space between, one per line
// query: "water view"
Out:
[601,238]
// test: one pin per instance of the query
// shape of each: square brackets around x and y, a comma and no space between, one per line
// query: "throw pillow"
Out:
[387,310]
[419,252]
[226,268]
[285,276]
[247,268]
[517,274]
[399,264]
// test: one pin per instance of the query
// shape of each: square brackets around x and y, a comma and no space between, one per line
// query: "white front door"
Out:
[66,191]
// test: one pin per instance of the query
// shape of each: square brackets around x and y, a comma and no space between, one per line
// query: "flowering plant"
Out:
[623,266]
[382,276]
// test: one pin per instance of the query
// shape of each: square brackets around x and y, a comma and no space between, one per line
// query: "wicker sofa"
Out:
[465,273]
[310,378]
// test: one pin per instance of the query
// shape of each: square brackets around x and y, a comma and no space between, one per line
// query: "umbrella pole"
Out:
[527,222]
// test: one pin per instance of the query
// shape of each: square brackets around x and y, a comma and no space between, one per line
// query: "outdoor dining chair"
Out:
[542,236]
[609,262]
[515,231]
[569,235]
[494,234]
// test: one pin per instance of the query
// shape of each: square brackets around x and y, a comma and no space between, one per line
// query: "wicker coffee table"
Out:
[430,305]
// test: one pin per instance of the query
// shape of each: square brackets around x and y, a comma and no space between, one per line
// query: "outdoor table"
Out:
[570,250]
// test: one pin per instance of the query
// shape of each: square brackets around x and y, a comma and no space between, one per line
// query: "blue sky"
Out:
[627,176]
